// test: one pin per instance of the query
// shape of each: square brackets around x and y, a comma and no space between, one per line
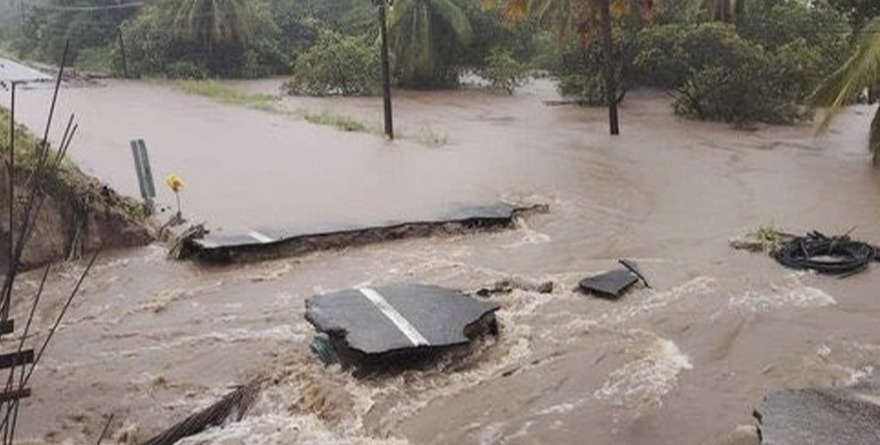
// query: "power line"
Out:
[89,8]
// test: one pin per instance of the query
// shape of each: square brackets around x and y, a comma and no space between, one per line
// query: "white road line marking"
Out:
[260,237]
[410,331]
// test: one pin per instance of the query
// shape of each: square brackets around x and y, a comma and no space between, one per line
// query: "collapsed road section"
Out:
[822,416]
[264,244]
[396,324]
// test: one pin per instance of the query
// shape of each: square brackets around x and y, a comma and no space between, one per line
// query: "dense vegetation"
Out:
[736,61]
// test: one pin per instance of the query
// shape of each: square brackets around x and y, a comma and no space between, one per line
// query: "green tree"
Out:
[585,18]
[422,37]
[336,64]
[858,73]
[212,24]
[859,11]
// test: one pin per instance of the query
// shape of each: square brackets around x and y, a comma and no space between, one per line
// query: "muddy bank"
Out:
[78,215]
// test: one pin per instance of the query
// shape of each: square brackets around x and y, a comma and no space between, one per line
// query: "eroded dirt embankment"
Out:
[79,214]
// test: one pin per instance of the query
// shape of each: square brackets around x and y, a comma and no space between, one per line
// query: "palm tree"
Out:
[213,23]
[416,36]
[585,18]
[844,86]
[726,11]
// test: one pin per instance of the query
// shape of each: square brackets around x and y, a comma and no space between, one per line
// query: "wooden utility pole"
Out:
[386,69]
[122,52]
[610,80]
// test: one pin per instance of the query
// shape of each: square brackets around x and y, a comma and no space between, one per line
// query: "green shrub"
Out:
[721,76]
[764,87]
[186,70]
[667,55]
[776,23]
[96,60]
[336,65]
[503,71]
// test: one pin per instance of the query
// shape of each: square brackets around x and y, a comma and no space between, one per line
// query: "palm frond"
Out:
[862,70]
[456,18]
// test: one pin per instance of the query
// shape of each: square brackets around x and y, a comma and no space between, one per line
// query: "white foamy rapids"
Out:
[529,236]
[658,300]
[282,429]
[790,294]
[648,376]
[286,413]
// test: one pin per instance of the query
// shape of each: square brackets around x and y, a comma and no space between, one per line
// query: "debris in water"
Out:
[233,405]
[613,284]
[766,239]
[822,416]
[265,244]
[180,242]
[837,255]
[399,323]
[507,285]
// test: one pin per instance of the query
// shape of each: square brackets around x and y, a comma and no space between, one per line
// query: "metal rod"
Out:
[104,431]
[58,320]
[12,411]
[386,70]
[27,216]
[13,406]
[55,93]
[11,190]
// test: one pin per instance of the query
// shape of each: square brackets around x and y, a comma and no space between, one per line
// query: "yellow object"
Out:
[175,182]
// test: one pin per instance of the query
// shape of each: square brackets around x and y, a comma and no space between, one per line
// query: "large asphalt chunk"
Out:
[274,242]
[822,416]
[405,317]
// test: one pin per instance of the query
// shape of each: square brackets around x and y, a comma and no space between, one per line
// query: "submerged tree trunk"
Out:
[874,136]
[723,11]
[610,81]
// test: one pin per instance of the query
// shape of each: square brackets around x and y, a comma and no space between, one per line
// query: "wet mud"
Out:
[154,341]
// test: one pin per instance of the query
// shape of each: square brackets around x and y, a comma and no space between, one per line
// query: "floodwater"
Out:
[686,362]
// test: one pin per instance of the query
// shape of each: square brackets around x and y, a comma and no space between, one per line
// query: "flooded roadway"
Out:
[150,340]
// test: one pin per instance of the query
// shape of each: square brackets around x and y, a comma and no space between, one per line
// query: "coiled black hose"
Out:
[833,256]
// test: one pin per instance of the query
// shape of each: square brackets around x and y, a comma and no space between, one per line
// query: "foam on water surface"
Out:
[648,376]
[791,293]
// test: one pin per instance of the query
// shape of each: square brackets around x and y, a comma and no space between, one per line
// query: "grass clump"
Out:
[228,95]
[339,121]
[769,238]
[26,145]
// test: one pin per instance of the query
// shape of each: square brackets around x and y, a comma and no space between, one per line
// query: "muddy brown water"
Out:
[685,363]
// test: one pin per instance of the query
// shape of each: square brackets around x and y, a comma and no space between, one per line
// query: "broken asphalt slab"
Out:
[373,325]
[613,284]
[263,244]
[822,416]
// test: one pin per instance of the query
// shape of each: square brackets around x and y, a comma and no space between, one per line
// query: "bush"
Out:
[721,76]
[776,23]
[96,60]
[336,64]
[765,87]
[503,71]
[667,55]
